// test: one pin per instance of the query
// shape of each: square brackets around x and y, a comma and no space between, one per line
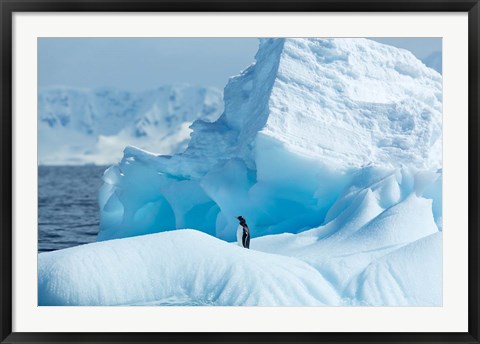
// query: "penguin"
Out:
[243,233]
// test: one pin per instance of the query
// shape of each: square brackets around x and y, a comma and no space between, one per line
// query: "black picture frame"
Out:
[9,7]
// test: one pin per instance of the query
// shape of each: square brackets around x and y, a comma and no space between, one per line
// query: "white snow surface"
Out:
[85,126]
[330,149]
[185,265]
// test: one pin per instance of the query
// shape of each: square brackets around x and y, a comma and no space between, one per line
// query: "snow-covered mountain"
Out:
[434,60]
[78,126]
[330,148]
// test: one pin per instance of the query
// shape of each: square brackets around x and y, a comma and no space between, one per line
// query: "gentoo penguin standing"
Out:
[243,233]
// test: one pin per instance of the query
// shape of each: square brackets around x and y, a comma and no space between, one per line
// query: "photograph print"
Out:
[240,172]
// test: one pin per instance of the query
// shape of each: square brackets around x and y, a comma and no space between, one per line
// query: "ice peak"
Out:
[347,101]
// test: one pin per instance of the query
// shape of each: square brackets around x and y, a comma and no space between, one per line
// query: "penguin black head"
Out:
[240,218]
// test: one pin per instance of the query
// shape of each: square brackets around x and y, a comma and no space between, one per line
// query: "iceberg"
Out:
[330,148]
[299,124]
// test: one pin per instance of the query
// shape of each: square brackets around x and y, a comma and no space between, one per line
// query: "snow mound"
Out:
[191,268]
[409,276]
[177,268]
[303,126]
[78,126]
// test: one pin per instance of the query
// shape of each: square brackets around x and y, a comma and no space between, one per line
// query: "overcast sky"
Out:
[144,63]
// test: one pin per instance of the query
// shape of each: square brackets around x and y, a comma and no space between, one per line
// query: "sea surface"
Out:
[68,213]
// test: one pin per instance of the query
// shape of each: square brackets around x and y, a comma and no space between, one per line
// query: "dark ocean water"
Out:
[68,212]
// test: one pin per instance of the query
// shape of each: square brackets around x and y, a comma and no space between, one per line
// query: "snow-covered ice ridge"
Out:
[191,268]
[330,148]
[79,126]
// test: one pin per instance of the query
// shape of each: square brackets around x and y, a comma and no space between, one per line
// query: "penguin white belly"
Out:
[239,235]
